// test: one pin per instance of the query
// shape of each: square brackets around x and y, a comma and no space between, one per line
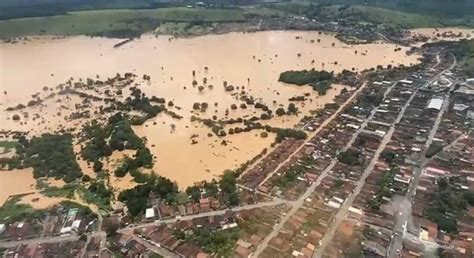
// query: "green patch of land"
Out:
[128,23]
[261,11]
[7,145]
[50,155]
[390,17]
[449,203]
[117,23]
[394,18]
[320,81]
[409,19]
[11,210]
[221,243]
[464,52]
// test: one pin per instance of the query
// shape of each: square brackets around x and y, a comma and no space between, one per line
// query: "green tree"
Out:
[98,166]
[280,111]
[194,192]
[292,109]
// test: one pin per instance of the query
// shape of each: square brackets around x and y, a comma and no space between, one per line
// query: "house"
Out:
[242,251]
[205,204]
[435,103]
[406,81]
[429,230]
[124,240]
[149,213]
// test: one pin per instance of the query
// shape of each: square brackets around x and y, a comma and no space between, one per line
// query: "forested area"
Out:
[50,155]
[448,204]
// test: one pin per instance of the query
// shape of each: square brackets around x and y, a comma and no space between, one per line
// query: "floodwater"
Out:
[21,182]
[119,183]
[446,34]
[250,61]
[16,182]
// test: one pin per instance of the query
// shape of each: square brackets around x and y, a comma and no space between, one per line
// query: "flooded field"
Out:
[447,34]
[251,62]
[16,182]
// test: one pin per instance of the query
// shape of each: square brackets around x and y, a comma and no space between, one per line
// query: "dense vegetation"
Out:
[434,149]
[99,194]
[23,8]
[350,157]
[320,81]
[118,135]
[291,176]
[8,145]
[50,155]
[225,190]
[12,211]
[385,185]
[448,204]
[220,242]
[456,8]
[388,156]
[372,99]
[283,133]
[304,77]
[138,101]
[137,198]
[464,52]
[390,14]
[103,140]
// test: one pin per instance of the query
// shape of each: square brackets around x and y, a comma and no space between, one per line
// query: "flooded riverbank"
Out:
[252,62]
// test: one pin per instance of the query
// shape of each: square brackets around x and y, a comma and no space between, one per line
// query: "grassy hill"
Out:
[119,23]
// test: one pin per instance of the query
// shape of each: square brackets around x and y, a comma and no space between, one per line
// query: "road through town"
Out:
[343,210]
[324,174]
[402,218]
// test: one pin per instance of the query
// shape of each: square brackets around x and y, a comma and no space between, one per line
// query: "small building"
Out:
[149,213]
[204,204]
[435,103]
[406,81]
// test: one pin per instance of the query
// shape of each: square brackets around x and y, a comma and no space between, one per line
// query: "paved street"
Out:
[310,135]
[402,219]
[315,184]
[343,210]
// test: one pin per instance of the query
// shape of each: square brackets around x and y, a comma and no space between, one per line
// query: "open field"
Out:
[406,19]
[125,23]
[106,22]
[378,15]
[7,145]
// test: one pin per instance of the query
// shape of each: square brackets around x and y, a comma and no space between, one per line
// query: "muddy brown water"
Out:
[248,60]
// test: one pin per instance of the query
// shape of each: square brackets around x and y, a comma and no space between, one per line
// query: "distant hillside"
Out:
[439,7]
[10,9]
